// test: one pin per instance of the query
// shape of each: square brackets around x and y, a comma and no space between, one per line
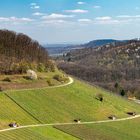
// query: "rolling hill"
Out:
[60,49]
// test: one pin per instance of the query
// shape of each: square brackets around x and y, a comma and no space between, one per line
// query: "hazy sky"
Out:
[59,21]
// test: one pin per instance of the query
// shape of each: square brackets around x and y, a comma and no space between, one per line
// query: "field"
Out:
[40,133]
[10,112]
[62,105]
[71,102]
[125,130]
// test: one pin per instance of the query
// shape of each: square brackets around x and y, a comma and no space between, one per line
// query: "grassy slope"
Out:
[125,130]
[71,102]
[40,133]
[63,105]
[9,112]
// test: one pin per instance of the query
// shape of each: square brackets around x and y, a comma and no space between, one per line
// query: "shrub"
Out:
[99,97]
[60,78]
[41,67]
[122,92]
[57,77]
[50,83]
[1,89]
[7,79]
[23,66]
[116,85]
[50,66]
[32,74]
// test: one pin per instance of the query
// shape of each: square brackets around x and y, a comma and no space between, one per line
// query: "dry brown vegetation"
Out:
[106,65]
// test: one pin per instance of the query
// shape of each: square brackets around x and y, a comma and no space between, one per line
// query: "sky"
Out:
[72,21]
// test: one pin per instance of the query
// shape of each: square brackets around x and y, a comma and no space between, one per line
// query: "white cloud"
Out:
[38,14]
[15,19]
[34,6]
[104,18]
[84,20]
[81,3]
[121,19]
[57,16]
[53,21]
[3,19]
[23,19]
[128,16]
[96,6]
[76,11]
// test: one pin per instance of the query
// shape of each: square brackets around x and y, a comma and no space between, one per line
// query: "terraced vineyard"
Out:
[10,111]
[41,133]
[61,105]
[125,130]
[74,101]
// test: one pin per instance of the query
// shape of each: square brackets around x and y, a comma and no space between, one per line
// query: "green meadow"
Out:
[63,105]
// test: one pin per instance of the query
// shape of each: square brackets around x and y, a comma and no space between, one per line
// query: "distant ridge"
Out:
[101,42]
[59,49]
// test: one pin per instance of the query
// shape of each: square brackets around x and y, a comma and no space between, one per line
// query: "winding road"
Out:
[71,123]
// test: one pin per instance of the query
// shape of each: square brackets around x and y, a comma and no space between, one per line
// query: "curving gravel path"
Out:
[59,124]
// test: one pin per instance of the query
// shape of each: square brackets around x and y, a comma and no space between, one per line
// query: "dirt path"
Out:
[59,124]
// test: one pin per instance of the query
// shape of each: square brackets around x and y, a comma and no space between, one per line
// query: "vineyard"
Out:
[59,105]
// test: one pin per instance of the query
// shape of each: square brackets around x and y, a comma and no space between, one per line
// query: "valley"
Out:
[60,98]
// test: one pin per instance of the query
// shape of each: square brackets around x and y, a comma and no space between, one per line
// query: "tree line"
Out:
[18,52]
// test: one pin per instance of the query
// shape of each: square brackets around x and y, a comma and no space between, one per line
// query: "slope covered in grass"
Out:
[125,130]
[40,133]
[10,111]
[65,104]
[72,102]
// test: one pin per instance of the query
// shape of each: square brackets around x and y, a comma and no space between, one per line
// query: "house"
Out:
[132,113]
[77,120]
[14,125]
[112,117]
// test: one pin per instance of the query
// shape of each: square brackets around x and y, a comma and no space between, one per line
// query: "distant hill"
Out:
[60,49]
[107,64]
[57,49]
[100,42]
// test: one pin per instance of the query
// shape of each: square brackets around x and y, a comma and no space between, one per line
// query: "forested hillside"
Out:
[107,65]
[19,52]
